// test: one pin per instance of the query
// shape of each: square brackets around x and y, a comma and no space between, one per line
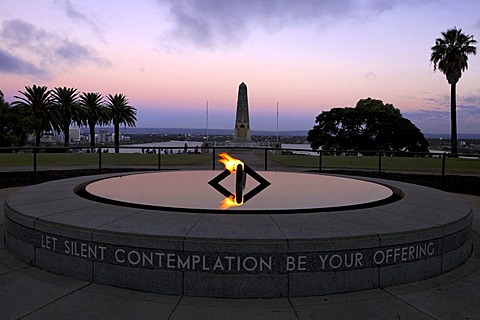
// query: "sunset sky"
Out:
[171,56]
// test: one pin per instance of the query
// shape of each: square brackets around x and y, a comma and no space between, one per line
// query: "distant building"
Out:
[105,136]
[74,134]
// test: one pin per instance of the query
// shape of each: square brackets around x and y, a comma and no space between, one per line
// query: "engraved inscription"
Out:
[238,263]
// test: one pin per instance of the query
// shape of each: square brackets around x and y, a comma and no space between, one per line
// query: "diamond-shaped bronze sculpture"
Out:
[240,181]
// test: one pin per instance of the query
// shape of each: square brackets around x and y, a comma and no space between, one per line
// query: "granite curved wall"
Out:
[424,234]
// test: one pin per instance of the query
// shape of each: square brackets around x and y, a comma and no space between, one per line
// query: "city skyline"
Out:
[170,57]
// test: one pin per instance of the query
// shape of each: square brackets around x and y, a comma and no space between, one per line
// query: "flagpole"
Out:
[207,119]
[277,121]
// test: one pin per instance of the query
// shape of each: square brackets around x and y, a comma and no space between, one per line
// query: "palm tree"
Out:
[37,103]
[120,113]
[450,56]
[95,112]
[70,110]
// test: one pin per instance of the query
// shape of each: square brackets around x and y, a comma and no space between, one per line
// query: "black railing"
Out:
[215,149]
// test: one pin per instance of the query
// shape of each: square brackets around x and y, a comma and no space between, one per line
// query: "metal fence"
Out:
[373,160]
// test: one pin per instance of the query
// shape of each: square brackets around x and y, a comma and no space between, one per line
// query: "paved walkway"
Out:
[30,293]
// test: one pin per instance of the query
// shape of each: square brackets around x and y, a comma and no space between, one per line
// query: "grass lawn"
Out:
[427,165]
[91,159]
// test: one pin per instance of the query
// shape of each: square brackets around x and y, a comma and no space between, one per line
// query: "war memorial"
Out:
[237,232]
[242,119]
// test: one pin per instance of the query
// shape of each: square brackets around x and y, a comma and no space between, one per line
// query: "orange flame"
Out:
[229,202]
[229,162]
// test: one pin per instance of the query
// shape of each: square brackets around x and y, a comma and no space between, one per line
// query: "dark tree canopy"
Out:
[96,112]
[450,56]
[371,125]
[39,110]
[450,53]
[120,113]
[14,125]
[66,101]
[36,102]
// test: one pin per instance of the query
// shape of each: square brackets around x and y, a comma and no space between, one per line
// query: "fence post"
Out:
[99,161]
[266,159]
[34,165]
[444,160]
[213,158]
[160,158]
[379,164]
[320,153]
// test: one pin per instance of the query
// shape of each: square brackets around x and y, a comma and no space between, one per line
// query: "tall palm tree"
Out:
[120,113]
[37,103]
[95,112]
[66,100]
[450,56]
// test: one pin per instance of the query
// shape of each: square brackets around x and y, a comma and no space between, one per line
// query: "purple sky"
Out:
[170,56]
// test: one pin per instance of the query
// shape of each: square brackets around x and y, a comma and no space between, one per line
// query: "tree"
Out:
[13,125]
[37,103]
[66,100]
[450,56]
[95,112]
[120,113]
[371,125]
[5,122]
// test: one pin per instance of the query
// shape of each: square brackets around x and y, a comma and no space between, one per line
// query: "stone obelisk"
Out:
[242,120]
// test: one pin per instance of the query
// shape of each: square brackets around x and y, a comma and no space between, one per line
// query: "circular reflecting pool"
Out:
[190,191]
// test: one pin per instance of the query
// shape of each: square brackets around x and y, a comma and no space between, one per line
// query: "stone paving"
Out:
[30,293]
